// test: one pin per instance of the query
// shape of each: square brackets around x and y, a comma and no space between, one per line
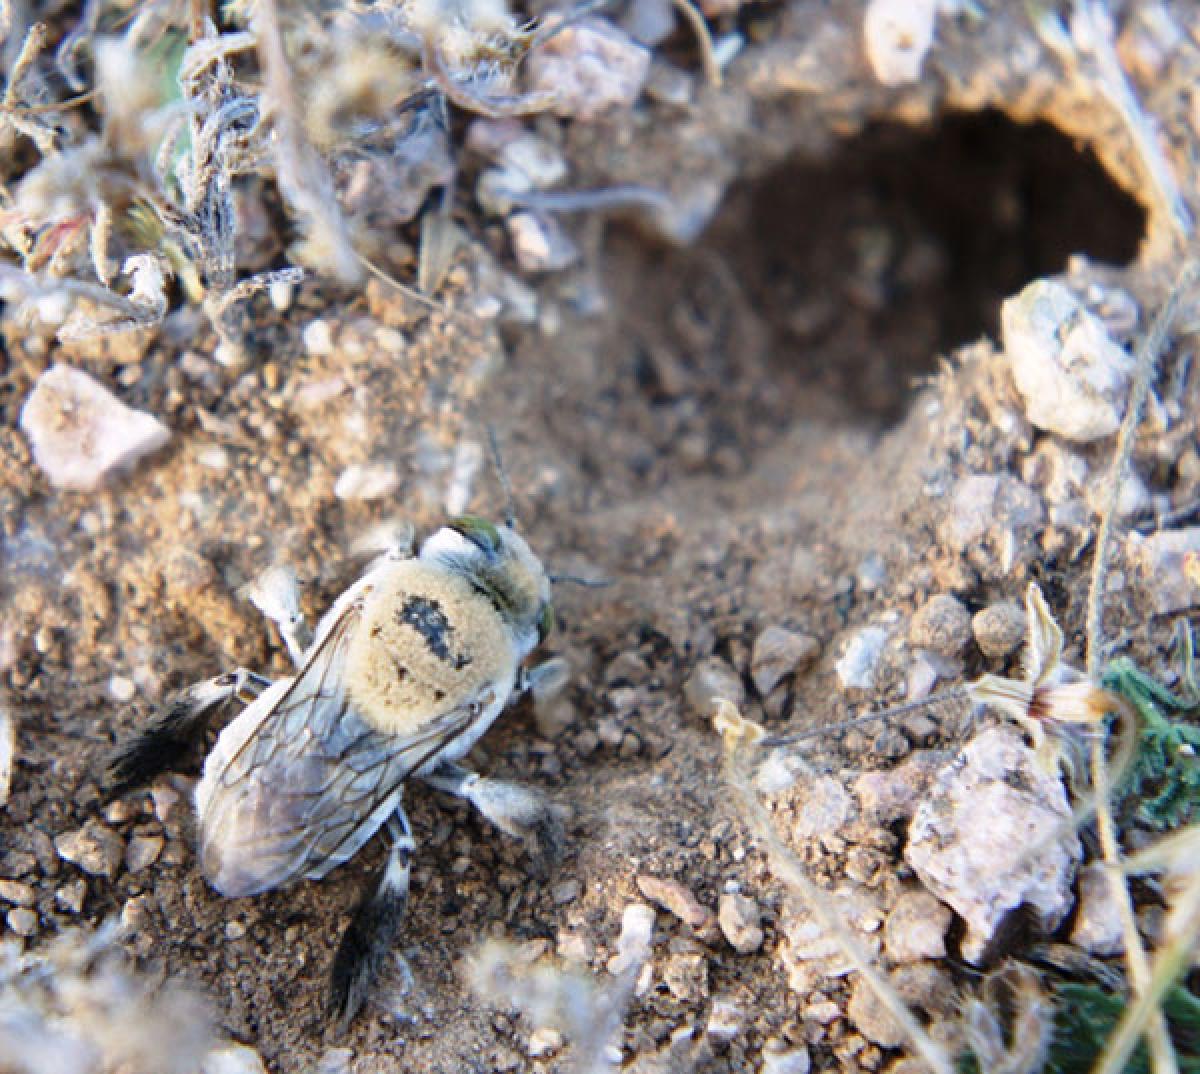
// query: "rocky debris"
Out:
[22,921]
[317,337]
[588,68]
[778,653]
[1097,928]
[367,481]
[1072,375]
[633,944]
[984,503]
[712,680]
[97,850]
[17,893]
[81,433]
[891,794]
[544,1042]
[822,808]
[1168,568]
[780,1058]
[897,35]
[999,629]
[860,659]
[740,921]
[71,895]
[725,1020]
[810,954]
[916,928]
[993,834]
[142,852]
[871,1018]
[539,243]
[686,976]
[673,897]
[942,624]
[232,1059]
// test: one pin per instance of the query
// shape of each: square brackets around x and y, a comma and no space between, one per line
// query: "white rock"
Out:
[898,34]
[860,659]
[984,503]
[232,1059]
[539,243]
[633,945]
[1168,568]
[823,807]
[1097,927]
[317,338]
[777,654]
[539,161]
[1070,372]
[916,928]
[994,833]
[589,67]
[371,481]
[80,432]
[777,1058]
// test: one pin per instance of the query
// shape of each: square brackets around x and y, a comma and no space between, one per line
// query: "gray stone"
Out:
[916,928]
[942,624]
[94,848]
[712,680]
[860,658]
[779,653]
[995,833]
[999,629]
[739,918]
[1097,927]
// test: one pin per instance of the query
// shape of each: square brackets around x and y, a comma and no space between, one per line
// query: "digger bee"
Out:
[407,669]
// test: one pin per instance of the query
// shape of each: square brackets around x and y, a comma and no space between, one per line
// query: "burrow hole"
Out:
[828,289]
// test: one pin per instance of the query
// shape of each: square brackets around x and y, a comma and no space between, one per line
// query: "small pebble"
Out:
[897,35]
[860,659]
[317,338]
[71,895]
[633,945]
[712,680]
[81,433]
[545,1042]
[686,976]
[999,629]
[232,1059]
[673,897]
[22,921]
[916,928]
[942,624]
[8,752]
[369,481]
[872,1019]
[725,1020]
[739,918]
[1097,927]
[15,892]
[1073,376]
[778,1057]
[142,851]
[779,653]
[539,243]
[589,67]
[94,848]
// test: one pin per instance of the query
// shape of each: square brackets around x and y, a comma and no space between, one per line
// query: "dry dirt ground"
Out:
[762,428]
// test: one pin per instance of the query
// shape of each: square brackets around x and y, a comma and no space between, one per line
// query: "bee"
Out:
[404,673]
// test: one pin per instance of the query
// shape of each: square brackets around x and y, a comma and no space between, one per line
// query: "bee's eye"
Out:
[479,531]
[545,622]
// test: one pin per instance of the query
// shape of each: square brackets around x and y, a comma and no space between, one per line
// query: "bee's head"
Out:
[498,562]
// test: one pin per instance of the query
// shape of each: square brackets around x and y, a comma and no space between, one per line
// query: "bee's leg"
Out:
[161,744]
[514,809]
[276,594]
[369,936]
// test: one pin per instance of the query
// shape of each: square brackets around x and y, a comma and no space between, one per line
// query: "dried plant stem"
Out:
[817,902]
[1162,1053]
[708,55]
[1183,924]
[1147,361]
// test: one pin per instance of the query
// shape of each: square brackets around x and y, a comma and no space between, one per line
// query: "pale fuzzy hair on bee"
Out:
[428,640]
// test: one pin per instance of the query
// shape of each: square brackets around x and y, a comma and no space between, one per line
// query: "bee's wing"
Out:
[299,782]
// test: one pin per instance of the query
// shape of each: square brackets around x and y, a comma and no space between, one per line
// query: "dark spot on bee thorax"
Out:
[425,616]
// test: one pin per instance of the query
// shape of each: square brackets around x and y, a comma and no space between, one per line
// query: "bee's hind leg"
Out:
[162,743]
[369,936]
[276,594]
[513,808]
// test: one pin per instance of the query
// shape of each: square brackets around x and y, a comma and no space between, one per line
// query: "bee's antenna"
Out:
[510,510]
[590,583]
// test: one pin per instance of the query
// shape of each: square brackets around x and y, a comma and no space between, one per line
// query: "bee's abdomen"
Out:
[427,644]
